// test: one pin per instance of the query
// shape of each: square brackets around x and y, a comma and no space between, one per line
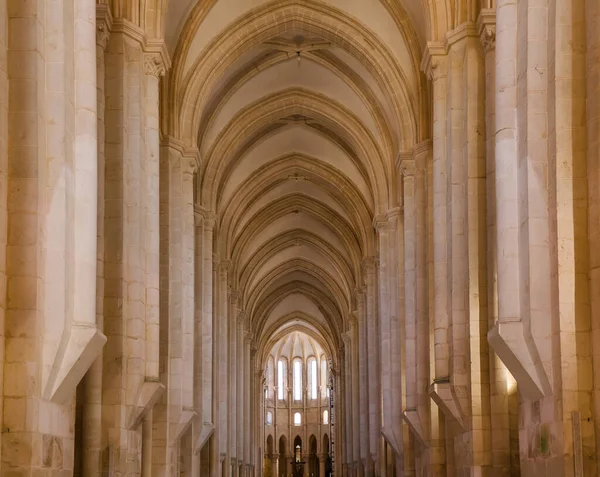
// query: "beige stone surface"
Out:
[406,192]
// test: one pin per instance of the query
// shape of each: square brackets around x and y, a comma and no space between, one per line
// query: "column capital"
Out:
[204,217]
[486,27]
[178,151]
[461,32]
[103,24]
[233,295]
[241,318]
[434,60]
[380,223]
[407,167]
[369,265]
[224,267]
[154,65]
[158,49]
[420,150]
[402,157]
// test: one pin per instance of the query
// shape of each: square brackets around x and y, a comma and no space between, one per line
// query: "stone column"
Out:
[92,413]
[203,330]
[435,66]
[322,461]
[374,389]
[355,376]
[241,350]
[362,380]
[417,412]
[390,351]
[347,390]
[248,391]
[499,378]
[274,465]
[176,409]
[222,391]
[592,15]
[233,378]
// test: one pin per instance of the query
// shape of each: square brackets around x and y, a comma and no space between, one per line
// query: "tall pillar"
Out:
[374,389]
[499,378]
[223,365]
[592,15]
[435,66]
[203,331]
[92,413]
[363,410]
[50,176]
[390,351]
[248,392]
[417,413]
[241,350]
[233,378]
[355,376]
[348,405]
[322,462]
[274,465]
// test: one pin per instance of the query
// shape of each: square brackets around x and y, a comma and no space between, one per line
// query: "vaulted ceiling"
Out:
[300,110]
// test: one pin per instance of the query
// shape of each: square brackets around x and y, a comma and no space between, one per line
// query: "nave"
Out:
[299,238]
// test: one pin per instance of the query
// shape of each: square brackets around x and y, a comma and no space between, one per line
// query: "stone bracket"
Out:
[85,342]
[442,393]
[179,428]
[148,395]
[411,417]
[390,436]
[207,430]
[509,342]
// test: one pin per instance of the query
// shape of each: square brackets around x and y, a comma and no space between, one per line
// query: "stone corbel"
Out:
[103,24]
[434,60]
[515,349]
[204,216]
[148,395]
[407,166]
[390,436]
[158,49]
[85,342]
[154,65]
[412,418]
[465,30]
[486,27]
[420,153]
[185,421]
[443,394]
[179,151]
[207,430]
[380,223]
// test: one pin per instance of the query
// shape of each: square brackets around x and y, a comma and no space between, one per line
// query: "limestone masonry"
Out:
[220,217]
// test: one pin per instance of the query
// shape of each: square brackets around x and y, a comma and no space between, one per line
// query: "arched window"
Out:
[312,366]
[270,418]
[297,419]
[297,380]
[325,417]
[269,376]
[324,377]
[280,379]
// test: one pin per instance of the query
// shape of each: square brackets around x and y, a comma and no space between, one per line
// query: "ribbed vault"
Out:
[299,110]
